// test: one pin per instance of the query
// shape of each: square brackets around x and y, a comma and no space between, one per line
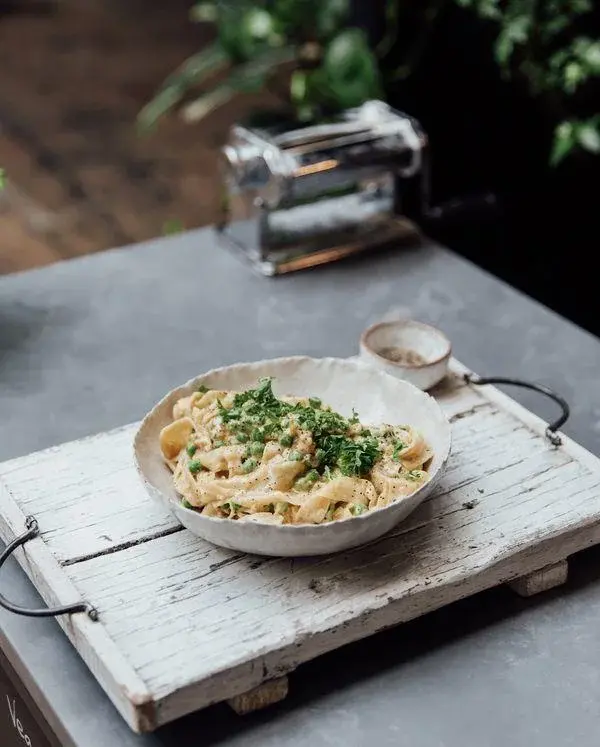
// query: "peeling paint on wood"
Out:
[509,509]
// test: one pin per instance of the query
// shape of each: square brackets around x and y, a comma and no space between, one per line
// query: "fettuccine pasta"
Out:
[250,456]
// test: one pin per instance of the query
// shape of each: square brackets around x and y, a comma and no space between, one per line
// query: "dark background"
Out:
[490,135]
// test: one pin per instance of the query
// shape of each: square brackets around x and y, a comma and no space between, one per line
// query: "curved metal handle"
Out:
[551,429]
[33,531]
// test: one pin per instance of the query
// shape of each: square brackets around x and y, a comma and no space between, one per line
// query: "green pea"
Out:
[307,481]
[191,449]
[249,465]
[256,449]
[295,456]
[241,438]
[195,466]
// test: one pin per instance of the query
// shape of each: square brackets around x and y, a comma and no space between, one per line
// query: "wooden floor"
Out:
[73,75]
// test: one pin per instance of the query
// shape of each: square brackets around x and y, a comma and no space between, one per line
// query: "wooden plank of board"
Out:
[502,511]
[88,498]
[122,684]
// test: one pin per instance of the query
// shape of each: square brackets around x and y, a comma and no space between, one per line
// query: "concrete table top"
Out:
[91,344]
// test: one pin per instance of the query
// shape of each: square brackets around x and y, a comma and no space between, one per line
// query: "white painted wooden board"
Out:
[184,624]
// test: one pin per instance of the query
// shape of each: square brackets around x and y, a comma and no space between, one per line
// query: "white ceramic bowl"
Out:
[343,384]
[427,346]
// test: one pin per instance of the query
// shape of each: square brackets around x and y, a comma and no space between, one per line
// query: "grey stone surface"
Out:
[91,344]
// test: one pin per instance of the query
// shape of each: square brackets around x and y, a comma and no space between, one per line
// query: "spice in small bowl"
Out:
[408,349]
[403,356]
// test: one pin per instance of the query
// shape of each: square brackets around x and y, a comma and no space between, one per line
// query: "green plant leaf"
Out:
[204,12]
[193,71]
[330,17]
[207,103]
[248,76]
[514,32]
[350,72]
[574,74]
[347,54]
[299,86]
[590,55]
[588,137]
[248,33]
[564,142]
[392,10]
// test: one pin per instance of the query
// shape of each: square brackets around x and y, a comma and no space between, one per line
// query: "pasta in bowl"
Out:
[272,458]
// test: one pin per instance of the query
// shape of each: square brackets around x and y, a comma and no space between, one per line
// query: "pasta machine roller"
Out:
[297,197]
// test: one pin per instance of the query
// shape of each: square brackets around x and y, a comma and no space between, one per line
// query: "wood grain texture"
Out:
[508,505]
[94,502]
[264,695]
[121,683]
[546,578]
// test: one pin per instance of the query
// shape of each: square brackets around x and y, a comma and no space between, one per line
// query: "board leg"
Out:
[546,578]
[264,695]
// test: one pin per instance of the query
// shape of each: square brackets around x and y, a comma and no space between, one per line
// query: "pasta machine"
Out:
[298,197]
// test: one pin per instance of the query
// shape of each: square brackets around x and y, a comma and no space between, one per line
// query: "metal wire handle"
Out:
[33,531]
[551,429]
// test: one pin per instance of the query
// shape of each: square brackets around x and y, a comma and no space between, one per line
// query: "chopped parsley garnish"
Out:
[357,508]
[186,504]
[191,449]
[415,474]
[202,389]
[258,434]
[327,473]
[357,457]
[259,415]
[195,466]
[398,447]
[231,507]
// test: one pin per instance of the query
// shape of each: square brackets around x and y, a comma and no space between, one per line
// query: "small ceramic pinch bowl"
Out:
[409,350]
[343,384]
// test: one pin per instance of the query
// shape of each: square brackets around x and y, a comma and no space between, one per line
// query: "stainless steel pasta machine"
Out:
[297,197]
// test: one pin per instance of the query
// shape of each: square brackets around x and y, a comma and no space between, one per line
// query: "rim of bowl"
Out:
[364,341]
[325,527]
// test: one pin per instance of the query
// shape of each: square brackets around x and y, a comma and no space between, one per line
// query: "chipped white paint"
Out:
[184,624]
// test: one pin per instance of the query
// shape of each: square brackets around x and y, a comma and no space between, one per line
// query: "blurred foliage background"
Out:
[319,63]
